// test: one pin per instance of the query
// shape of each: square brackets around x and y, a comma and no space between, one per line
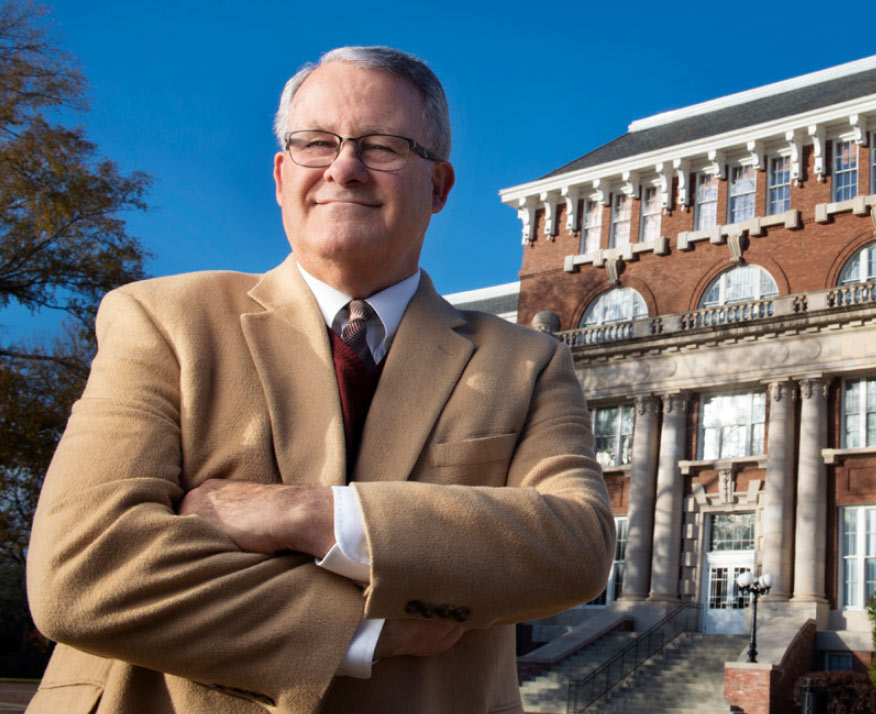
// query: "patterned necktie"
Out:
[354,331]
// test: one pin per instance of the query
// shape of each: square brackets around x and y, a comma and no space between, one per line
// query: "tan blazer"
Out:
[227,375]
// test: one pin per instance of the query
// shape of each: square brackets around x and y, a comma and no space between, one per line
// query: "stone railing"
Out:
[597,335]
[840,298]
[727,314]
[857,294]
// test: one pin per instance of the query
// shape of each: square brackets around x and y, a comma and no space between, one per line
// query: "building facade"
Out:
[714,272]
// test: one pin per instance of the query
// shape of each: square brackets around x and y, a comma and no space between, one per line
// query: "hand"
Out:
[266,518]
[416,638]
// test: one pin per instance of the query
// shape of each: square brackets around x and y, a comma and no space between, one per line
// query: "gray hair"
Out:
[436,113]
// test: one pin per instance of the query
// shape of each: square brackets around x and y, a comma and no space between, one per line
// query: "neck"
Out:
[358,284]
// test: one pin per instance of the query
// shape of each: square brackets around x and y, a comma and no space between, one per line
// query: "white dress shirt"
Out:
[350,555]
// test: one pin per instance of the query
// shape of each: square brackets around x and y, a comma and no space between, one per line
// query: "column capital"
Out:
[812,387]
[785,389]
[647,404]
[675,402]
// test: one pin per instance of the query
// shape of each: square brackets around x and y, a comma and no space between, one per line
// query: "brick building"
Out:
[714,273]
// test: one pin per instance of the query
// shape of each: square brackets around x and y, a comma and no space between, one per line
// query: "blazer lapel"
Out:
[291,351]
[422,368]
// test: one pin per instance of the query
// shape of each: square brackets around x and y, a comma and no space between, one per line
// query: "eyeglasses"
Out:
[381,152]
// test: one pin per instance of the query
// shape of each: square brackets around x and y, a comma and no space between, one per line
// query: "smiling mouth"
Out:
[346,202]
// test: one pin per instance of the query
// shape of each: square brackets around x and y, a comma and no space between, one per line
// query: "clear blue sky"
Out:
[186,90]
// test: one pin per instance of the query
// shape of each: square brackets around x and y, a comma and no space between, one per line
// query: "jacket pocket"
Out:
[67,698]
[73,683]
[478,450]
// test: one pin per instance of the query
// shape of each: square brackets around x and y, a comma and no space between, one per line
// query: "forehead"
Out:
[344,97]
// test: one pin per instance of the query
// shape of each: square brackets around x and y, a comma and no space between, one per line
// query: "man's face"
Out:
[358,229]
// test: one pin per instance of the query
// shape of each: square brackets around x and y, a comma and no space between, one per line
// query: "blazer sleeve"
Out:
[541,543]
[115,572]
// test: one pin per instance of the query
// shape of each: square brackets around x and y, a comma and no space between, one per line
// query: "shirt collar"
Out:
[389,304]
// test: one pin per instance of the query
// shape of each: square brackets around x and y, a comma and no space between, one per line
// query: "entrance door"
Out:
[731,553]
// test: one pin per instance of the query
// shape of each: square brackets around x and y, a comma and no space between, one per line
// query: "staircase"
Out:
[688,678]
[547,693]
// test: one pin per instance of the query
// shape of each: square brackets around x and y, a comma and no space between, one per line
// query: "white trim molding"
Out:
[549,203]
[817,133]
[526,214]
[572,197]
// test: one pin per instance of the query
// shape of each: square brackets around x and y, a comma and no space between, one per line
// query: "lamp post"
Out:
[754,589]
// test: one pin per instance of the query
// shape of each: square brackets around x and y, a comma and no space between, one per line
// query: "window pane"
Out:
[592,227]
[706,201]
[620,221]
[742,183]
[850,584]
[617,305]
[779,194]
[859,413]
[732,425]
[744,283]
[732,531]
[861,267]
[652,210]
[845,170]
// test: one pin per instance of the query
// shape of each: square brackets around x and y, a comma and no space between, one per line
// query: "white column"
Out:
[668,501]
[811,523]
[637,562]
[778,526]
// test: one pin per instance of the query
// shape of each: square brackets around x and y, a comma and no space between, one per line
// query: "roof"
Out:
[496,299]
[737,116]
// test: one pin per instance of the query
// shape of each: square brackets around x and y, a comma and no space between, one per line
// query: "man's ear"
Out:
[279,157]
[443,178]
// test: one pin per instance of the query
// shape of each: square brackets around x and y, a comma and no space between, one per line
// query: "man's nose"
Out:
[347,166]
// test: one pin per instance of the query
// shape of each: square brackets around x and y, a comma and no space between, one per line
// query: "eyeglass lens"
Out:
[315,149]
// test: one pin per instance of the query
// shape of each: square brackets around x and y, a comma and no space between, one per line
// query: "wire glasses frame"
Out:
[381,152]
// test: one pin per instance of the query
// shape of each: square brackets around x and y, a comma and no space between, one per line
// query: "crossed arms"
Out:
[116,571]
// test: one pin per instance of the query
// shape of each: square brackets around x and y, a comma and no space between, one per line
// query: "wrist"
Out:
[309,520]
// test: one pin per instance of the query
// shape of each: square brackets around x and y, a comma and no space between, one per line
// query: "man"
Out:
[266,486]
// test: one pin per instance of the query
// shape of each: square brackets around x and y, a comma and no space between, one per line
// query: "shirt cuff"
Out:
[350,555]
[360,654]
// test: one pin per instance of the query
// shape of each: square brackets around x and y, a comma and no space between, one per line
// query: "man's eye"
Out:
[380,146]
[319,144]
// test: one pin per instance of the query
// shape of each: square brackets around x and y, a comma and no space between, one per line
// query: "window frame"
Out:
[771,187]
[747,197]
[638,309]
[624,220]
[614,584]
[859,558]
[754,429]
[652,214]
[699,202]
[623,440]
[873,163]
[861,256]
[865,437]
[721,281]
[589,231]
[851,188]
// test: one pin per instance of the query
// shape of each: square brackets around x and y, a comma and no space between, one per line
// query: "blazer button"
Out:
[460,614]
[414,607]
[428,610]
[444,611]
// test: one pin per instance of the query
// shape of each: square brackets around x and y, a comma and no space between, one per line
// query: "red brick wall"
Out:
[618,486]
[799,260]
[771,691]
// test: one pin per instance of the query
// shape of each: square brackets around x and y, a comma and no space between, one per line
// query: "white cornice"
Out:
[832,117]
[493,291]
[767,90]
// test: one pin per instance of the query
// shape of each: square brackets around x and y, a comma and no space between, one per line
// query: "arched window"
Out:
[618,305]
[744,283]
[861,268]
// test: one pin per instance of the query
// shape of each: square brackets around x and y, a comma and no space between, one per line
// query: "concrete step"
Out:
[687,678]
